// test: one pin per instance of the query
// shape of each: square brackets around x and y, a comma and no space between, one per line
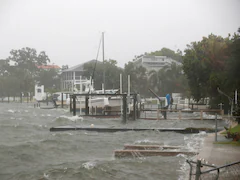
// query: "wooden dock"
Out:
[150,147]
[142,153]
[117,129]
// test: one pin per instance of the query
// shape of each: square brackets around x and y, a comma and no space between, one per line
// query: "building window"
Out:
[39,90]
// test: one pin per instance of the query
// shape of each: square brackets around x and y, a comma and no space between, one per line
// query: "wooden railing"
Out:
[161,111]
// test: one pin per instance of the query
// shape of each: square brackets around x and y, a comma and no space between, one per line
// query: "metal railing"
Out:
[200,171]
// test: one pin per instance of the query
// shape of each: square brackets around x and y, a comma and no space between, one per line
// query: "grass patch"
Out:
[236,143]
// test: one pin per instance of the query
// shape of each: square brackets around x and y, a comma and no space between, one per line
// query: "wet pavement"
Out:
[219,154]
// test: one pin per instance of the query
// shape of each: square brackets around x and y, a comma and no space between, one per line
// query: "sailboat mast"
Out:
[103,63]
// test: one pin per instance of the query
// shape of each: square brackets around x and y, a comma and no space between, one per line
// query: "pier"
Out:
[123,110]
[117,129]
[133,150]
[142,153]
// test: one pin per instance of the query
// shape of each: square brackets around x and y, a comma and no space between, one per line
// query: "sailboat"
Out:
[86,86]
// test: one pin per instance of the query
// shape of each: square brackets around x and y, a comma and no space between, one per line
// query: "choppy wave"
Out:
[64,118]
[89,165]
[146,141]
[11,111]
[29,150]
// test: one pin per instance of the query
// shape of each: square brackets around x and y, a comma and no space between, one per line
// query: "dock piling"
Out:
[62,99]
[124,115]
[74,105]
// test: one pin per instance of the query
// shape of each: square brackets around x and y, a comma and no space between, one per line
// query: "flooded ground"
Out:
[28,150]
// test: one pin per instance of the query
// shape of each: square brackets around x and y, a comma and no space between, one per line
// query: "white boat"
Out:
[79,85]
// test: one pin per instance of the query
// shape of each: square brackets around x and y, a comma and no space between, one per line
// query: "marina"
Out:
[156,103]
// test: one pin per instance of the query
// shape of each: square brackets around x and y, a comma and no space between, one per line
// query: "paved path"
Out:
[219,154]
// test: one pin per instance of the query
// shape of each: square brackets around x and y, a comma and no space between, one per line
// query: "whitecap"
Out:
[202,133]
[11,111]
[145,141]
[89,165]
[208,116]
[45,175]
[181,155]
[195,141]
[72,118]
[142,141]
[184,169]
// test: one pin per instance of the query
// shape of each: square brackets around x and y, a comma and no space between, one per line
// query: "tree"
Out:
[95,69]
[168,80]
[204,64]
[233,63]
[50,78]
[138,77]
[22,75]
[169,53]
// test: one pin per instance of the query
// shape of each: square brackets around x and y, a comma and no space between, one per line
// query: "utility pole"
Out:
[103,63]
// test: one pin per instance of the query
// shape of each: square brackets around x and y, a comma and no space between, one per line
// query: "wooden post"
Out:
[198,170]
[158,117]
[138,109]
[215,127]
[165,113]
[70,105]
[124,115]
[74,105]
[47,98]
[134,106]
[62,100]
[201,114]
[179,115]
[86,106]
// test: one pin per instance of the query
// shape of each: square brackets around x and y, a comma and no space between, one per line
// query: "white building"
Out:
[39,93]
[155,62]
[72,79]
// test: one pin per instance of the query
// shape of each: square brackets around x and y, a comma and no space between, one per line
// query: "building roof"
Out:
[79,67]
[48,67]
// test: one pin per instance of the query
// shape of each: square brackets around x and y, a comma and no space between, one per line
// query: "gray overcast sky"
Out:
[69,30]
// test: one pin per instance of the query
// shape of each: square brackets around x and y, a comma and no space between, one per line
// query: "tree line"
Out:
[207,65]
[212,66]
[20,72]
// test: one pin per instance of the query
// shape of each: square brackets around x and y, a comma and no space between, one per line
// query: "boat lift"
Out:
[125,101]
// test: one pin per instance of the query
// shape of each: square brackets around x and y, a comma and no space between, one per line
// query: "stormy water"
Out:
[28,150]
